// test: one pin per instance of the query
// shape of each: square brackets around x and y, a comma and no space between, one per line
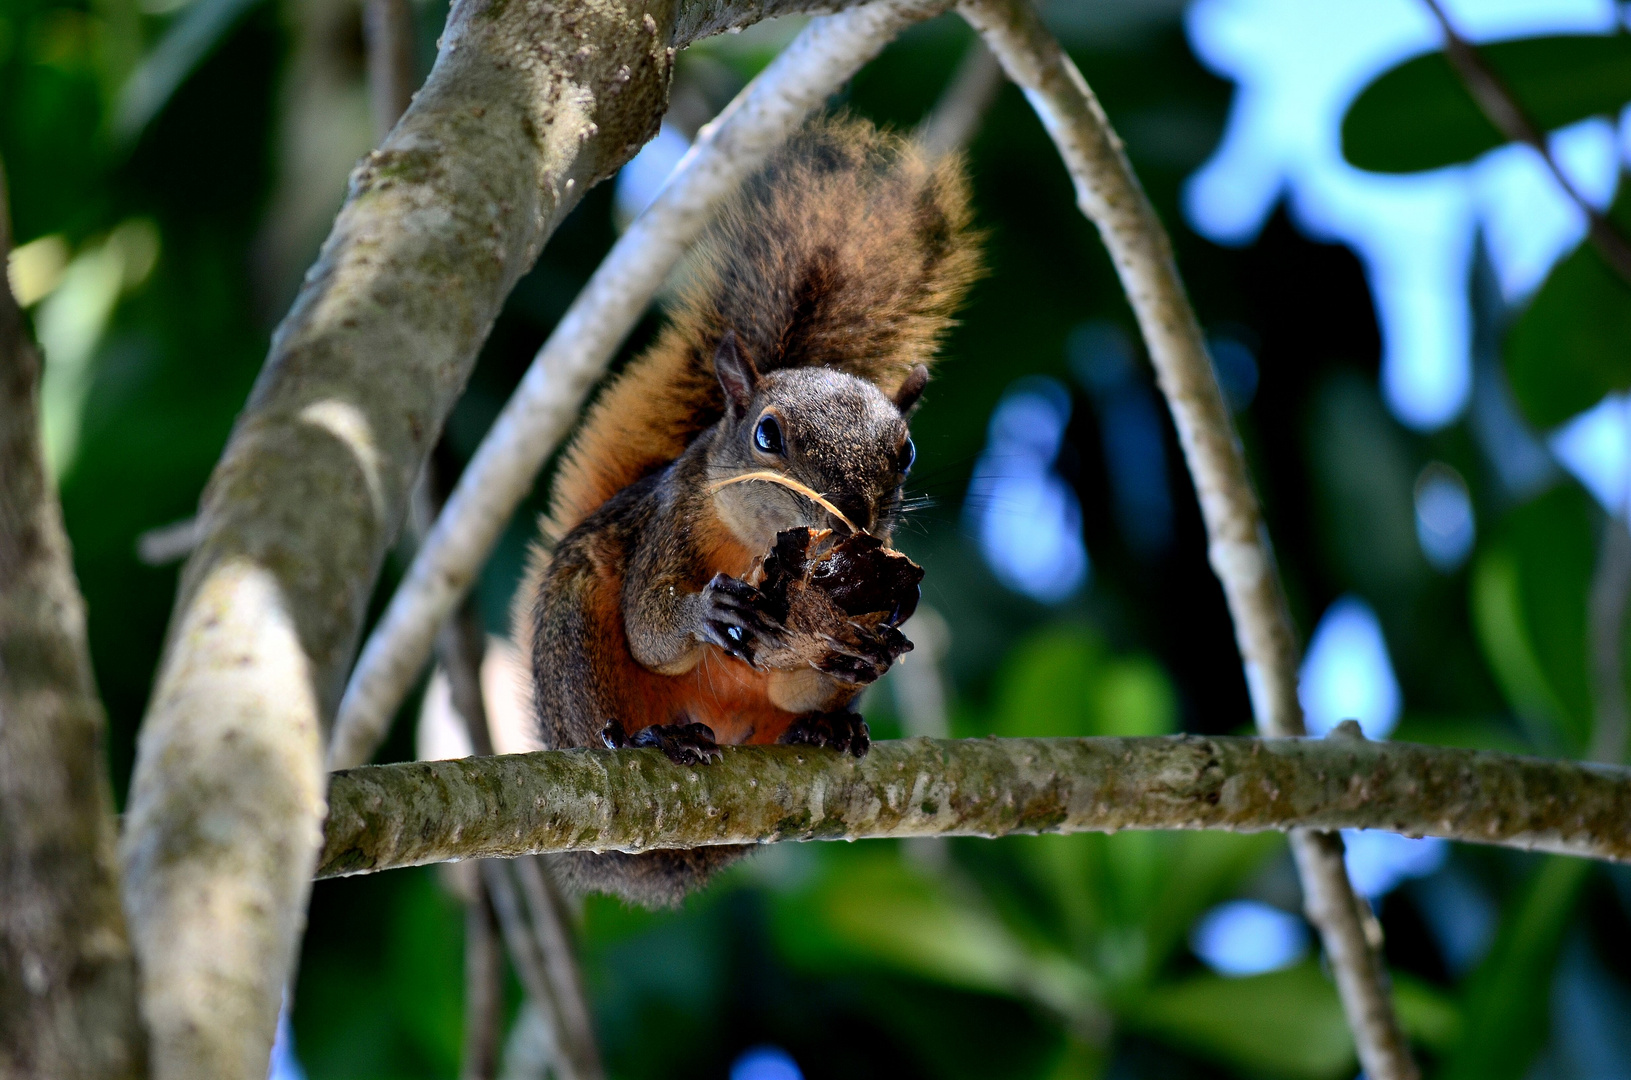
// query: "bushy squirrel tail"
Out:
[850,249]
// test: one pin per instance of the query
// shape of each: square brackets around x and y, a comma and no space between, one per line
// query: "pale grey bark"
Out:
[1110,195]
[635,800]
[67,977]
[528,105]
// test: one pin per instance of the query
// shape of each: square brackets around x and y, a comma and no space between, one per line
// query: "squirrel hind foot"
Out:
[843,731]
[683,744]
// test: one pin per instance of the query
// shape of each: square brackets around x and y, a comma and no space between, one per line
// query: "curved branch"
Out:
[1110,195]
[552,392]
[387,816]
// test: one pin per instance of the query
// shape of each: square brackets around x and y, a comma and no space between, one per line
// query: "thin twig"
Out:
[544,406]
[483,988]
[1110,195]
[574,1027]
[384,816]
[955,118]
[1610,597]
[393,73]
[67,976]
[524,954]
[529,1050]
[1497,102]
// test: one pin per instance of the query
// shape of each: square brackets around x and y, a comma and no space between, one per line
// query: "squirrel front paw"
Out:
[865,655]
[685,744]
[735,619]
[843,731]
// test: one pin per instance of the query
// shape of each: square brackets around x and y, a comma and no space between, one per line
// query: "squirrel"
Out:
[799,348]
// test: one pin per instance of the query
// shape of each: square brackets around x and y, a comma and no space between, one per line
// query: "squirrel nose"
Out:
[859,511]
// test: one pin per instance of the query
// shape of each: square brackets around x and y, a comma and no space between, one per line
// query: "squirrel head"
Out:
[821,429]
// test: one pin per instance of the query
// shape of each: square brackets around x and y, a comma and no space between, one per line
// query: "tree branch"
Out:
[387,816]
[551,394]
[1502,108]
[527,106]
[67,978]
[1110,195]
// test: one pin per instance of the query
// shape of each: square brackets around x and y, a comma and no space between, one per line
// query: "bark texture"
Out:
[67,978]
[1110,195]
[635,800]
[528,105]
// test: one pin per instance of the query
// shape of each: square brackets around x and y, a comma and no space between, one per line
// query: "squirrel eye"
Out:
[768,436]
[908,457]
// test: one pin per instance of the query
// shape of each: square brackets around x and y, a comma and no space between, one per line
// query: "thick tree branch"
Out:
[551,394]
[1497,102]
[527,106]
[634,800]
[1110,195]
[67,977]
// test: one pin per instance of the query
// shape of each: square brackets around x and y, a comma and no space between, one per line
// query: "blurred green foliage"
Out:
[1421,116]
[1569,347]
[1570,343]
[172,166]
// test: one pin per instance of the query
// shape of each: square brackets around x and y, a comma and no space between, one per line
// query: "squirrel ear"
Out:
[736,372]
[912,389]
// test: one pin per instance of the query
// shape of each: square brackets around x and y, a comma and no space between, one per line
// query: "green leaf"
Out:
[1286,1024]
[1572,345]
[1046,684]
[1202,869]
[1420,116]
[1429,1016]
[880,910]
[1529,593]
[1061,681]
[1505,1020]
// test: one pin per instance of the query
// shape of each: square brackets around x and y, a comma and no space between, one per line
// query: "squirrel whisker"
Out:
[792,485]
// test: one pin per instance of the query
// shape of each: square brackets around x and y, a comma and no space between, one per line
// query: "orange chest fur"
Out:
[741,703]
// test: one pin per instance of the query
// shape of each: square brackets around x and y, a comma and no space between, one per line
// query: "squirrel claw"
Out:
[864,661]
[843,731]
[685,744]
[735,619]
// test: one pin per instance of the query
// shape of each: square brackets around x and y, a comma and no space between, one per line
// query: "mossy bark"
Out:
[636,800]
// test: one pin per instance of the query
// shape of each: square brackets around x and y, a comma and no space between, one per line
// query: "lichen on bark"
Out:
[634,800]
